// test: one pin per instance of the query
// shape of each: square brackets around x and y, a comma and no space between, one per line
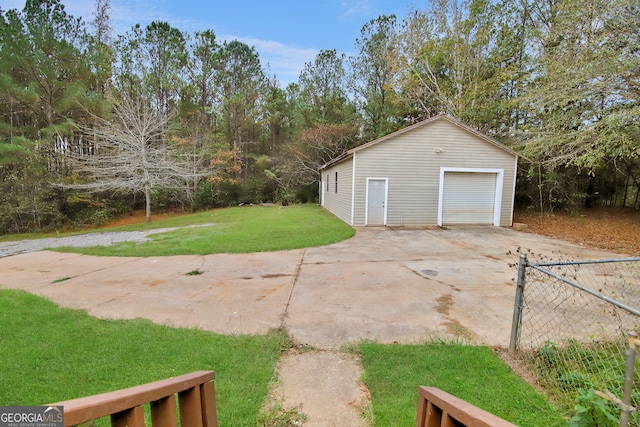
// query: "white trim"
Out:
[497,206]
[366,200]
[353,188]
[321,192]
[513,194]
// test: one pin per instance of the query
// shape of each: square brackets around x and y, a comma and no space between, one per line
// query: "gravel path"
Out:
[83,240]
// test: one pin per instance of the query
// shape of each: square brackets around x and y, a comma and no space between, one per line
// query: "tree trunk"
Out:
[147,204]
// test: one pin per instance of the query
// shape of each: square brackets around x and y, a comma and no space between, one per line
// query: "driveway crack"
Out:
[284,315]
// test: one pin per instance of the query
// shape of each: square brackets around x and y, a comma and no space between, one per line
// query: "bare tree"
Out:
[129,156]
[316,146]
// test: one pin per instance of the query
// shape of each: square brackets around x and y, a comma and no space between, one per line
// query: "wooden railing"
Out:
[439,409]
[196,398]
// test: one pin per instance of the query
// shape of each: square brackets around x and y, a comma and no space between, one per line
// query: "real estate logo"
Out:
[31,416]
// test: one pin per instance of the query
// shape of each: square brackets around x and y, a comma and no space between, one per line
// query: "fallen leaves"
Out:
[613,229]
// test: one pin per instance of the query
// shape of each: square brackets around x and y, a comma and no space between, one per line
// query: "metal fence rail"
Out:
[571,324]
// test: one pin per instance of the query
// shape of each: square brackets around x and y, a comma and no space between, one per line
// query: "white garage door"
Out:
[468,198]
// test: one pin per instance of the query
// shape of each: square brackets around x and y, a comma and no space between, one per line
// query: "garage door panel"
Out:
[468,198]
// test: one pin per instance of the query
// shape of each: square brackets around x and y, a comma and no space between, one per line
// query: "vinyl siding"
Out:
[338,203]
[412,166]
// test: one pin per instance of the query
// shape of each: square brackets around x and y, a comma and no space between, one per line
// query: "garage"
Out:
[436,172]
[470,197]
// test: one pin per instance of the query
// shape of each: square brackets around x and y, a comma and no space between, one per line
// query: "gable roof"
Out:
[442,116]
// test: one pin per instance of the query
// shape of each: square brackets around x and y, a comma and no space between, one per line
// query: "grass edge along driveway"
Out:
[229,230]
[235,230]
[52,354]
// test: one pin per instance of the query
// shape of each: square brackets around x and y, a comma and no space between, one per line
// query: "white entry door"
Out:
[376,201]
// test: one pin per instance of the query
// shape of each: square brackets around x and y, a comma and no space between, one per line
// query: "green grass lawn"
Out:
[475,374]
[232,230]
[51,354]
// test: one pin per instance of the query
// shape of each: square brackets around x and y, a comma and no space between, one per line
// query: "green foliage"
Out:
[205,197]
[27,202]
[374,75]
[51,354]
[592,410]
[82,210]
[557,80]
[570,372]
[43,70]
[44,93]
[323,93]
[573,380]
[475,374]
[549,352]
[13,152]
[583,102]
[468,60]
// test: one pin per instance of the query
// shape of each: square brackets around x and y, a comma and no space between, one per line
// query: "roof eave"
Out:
[444,116]
[336,160]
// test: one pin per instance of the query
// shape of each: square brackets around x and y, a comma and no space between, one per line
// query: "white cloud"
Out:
[124,14]
[358,8]
[286,62]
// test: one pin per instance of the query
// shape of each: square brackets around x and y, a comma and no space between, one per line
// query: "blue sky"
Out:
[286,33]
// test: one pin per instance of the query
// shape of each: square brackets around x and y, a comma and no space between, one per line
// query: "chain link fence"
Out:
[571,326]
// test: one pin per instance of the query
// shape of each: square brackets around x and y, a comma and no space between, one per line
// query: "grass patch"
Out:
[51,354]
[475,374]
[232,230]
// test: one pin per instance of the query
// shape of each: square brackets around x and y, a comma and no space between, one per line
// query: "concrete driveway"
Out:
[388,285]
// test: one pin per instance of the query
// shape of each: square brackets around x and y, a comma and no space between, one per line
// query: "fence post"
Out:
[628,379]
[517,305]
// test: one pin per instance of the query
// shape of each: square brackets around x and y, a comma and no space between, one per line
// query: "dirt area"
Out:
[613,229]
[138,217]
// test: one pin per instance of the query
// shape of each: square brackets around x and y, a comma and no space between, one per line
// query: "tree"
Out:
[585,102]
[315,147]
[166,56]
[129,156]
[102,22]
[43,72]
[498,110]
[195,120]
[444,57]
[45,90]
[323,91]
[325,121]
[153,59]
[583,106]
[102,54]
[203,68]
[241,81]
[374,77]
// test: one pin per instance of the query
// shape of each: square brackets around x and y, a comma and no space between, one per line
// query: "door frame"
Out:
[497,203]
[366,201]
